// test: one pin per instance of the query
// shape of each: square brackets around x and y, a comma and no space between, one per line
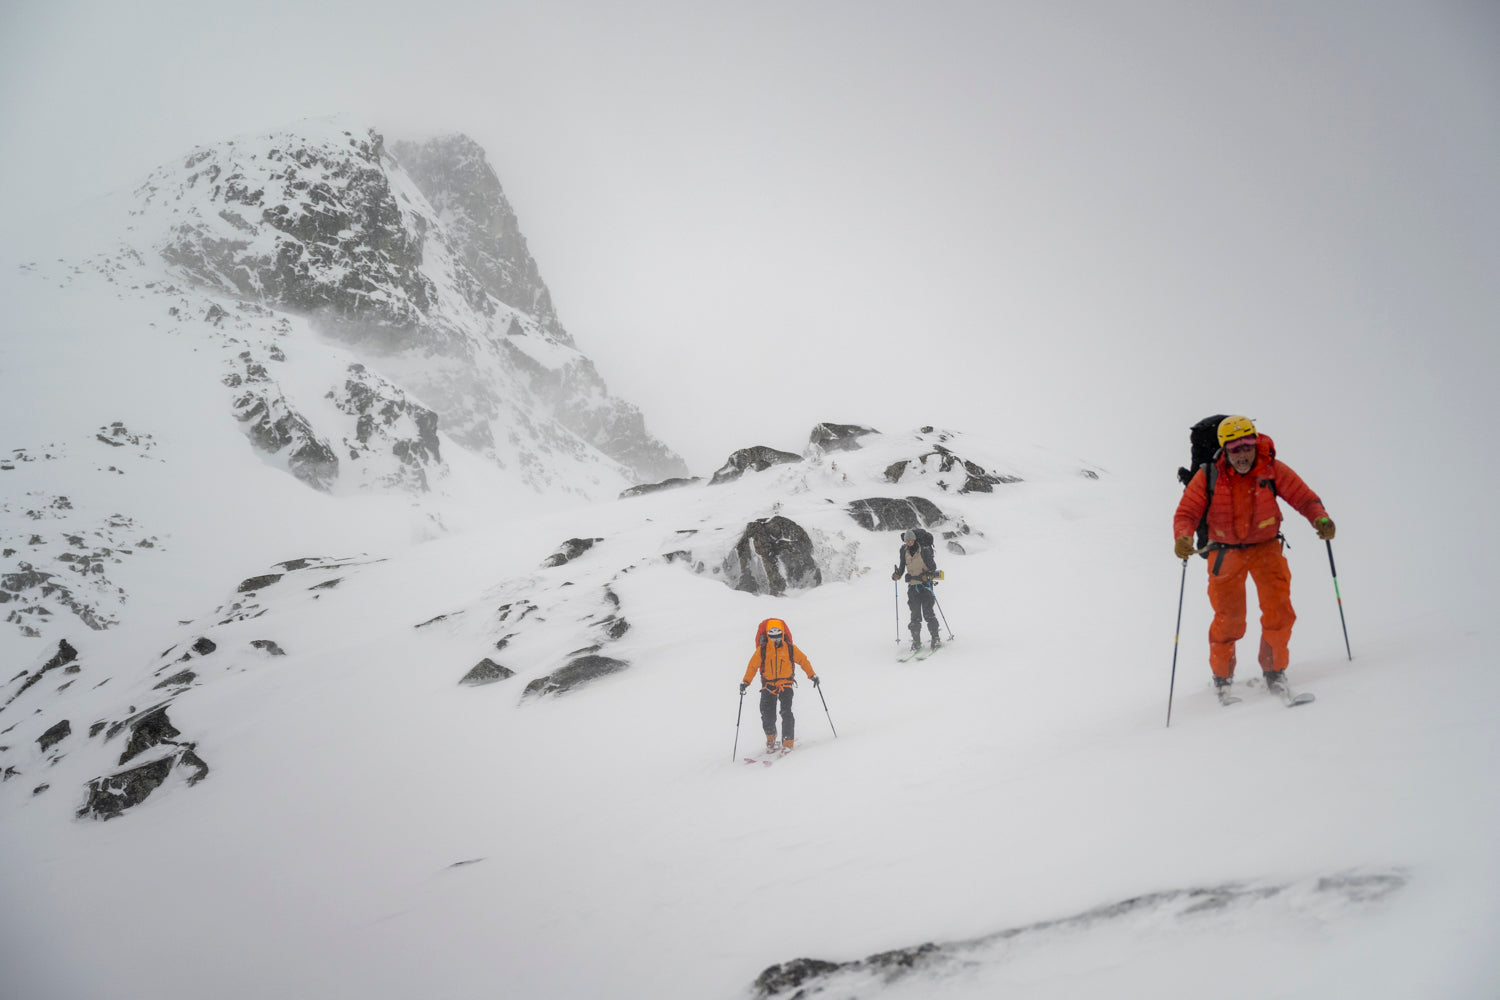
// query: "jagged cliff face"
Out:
[458,182]
[417,263]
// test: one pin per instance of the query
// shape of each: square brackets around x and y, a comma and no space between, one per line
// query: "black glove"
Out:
[817,683]
[743,686]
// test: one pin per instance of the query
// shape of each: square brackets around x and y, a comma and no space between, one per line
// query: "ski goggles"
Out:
[1240,445]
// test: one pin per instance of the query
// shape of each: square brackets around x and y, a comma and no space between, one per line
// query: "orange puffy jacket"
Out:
[1244,509]
[776,665]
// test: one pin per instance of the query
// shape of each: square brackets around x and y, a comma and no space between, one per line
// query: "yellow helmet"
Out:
[1233,428]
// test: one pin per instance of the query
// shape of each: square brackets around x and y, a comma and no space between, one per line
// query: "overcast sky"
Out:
[1075,224]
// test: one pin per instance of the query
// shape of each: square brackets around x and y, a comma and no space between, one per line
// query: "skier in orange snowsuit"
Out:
[776,659]
[1244,539]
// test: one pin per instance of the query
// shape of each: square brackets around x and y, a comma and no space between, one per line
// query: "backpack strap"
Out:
[1210,479]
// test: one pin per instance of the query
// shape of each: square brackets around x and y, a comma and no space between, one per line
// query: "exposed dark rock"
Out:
[569,550]
[389,421]
[110,796]
[838,437]
[486,671]
[39,789]
[339,242]
[65,654]
[976,479]
[277,428]
[666,484]
[268,646]
[756,459]
[204,645]
[791,975]
[147,730]
[895,514]
[576,674]
[55,735]
[183,678]
[258,582]
[772,556]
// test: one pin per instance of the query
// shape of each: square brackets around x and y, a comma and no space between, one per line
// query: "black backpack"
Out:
[1204,440]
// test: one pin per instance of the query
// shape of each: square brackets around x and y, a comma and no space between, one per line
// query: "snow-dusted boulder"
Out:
[577,673]
[486,671]
[756,459]
[838,437]
[772,556]
[896,514]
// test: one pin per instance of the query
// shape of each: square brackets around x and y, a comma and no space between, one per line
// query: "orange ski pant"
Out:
[1264,564]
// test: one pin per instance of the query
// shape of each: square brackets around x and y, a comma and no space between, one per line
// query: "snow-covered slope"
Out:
[307,695]
[349,810]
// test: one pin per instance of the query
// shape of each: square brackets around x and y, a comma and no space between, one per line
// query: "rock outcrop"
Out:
[773,555]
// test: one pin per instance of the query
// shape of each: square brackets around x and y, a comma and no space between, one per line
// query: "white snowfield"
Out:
[370,828]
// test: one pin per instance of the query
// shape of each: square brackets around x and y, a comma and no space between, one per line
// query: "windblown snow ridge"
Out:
[1138,916]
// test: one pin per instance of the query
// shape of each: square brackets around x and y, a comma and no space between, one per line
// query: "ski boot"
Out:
[1221,688]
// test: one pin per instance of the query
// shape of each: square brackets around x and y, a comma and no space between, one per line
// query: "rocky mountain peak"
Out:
[416,262]
[454,174]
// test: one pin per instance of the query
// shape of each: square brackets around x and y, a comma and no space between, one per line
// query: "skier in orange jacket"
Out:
[776,659]
[1244,539]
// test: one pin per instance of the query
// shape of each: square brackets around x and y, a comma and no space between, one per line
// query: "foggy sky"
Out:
[1080,225]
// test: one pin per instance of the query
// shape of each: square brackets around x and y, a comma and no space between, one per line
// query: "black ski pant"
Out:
[768,702]
[923,604]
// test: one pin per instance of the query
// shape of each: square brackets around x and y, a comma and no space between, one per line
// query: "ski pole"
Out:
[1182,589]
[824,700]
[933,591]
[1329,543]
[896,596]
[736,751]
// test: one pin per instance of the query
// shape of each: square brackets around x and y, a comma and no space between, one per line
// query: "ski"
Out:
[1288,697]
[1225,698]
[772,757]
[909,655]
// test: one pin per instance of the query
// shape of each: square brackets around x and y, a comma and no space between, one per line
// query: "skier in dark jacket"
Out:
[917,561]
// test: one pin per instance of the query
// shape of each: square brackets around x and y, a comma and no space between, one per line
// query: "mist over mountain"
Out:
[421,270]
[357,641]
